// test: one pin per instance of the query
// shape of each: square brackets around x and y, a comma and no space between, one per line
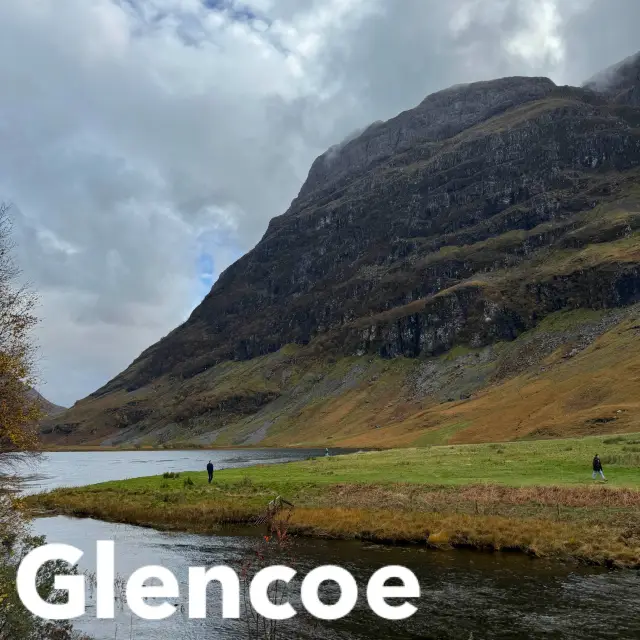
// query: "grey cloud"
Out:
[600,37]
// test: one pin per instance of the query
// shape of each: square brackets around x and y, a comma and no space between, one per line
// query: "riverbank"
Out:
[533,497]
[176,447]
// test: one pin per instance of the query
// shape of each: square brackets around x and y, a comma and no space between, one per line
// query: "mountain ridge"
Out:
[440,115]
[47,407]
[462,222]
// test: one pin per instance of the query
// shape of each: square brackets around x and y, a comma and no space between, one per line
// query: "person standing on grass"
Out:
[210,471]
[597,468]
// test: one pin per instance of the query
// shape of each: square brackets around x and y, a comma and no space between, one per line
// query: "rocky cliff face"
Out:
[440,116]
[464,221]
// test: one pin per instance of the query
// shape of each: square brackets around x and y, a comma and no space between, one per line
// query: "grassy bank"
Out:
[535,497]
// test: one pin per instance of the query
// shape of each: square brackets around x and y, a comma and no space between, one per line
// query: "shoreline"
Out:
[533,497]
[561,541]
[97,448]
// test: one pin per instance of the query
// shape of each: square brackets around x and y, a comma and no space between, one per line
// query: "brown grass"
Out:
[422,497]
[541,538]
[170,512]
[597,525]
[565,398]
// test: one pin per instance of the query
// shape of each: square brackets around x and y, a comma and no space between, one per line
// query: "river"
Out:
[464,594]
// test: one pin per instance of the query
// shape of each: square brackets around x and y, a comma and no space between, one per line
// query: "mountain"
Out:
[48,408]
[466,271]
[621,82]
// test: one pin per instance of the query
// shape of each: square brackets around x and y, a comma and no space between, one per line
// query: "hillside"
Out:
[466,271]
[48,408]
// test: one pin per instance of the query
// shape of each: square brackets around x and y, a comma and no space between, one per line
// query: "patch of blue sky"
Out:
[205,270]
[216,252]
[237,10]
[147,17]
[188,25]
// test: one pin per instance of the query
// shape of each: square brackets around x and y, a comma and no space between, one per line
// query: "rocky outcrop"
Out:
[465,220]
[440,116]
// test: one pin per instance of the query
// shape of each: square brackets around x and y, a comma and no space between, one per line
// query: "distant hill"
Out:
[48,408]
[466,271]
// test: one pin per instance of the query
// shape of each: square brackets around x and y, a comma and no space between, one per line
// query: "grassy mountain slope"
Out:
[577,373]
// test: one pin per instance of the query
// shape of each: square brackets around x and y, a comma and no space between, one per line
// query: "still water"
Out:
[464,594]
[75,469]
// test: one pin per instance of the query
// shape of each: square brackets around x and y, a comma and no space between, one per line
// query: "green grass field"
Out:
[516,464]
[535,496]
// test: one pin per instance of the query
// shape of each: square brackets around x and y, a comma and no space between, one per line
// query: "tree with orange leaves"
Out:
[19,410]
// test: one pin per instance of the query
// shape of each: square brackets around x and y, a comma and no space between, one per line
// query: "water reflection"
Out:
[491,596]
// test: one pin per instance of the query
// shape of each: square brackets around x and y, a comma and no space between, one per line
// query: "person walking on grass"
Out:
[597,468]
[210,471]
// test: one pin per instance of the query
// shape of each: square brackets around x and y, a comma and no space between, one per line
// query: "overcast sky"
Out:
[145,144]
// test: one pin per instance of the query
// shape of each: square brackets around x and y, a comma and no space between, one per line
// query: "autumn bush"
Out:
[19,410]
